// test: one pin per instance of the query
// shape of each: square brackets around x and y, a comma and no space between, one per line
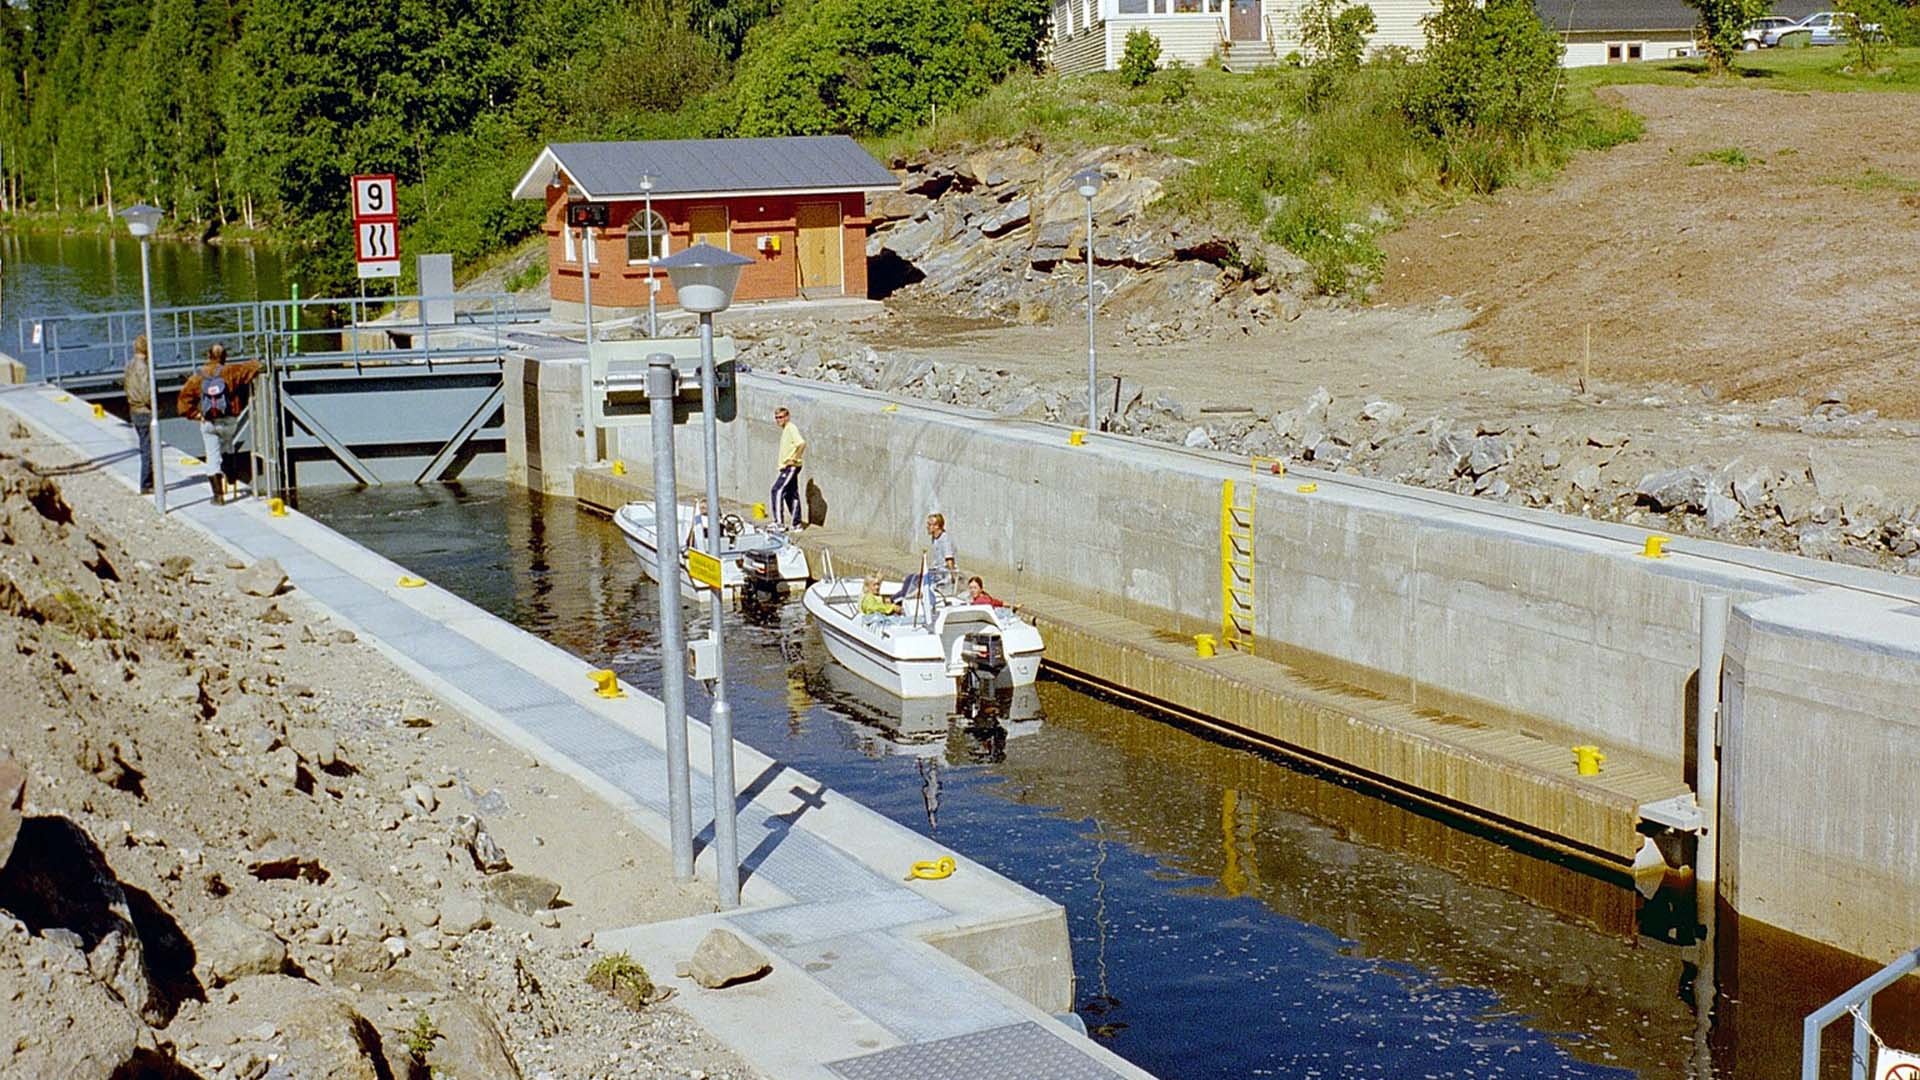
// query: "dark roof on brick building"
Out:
[795,164]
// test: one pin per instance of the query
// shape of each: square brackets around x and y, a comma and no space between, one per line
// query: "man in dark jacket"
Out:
[215,396]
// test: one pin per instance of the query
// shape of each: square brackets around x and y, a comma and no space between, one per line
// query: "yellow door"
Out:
[819,249]
[709,225]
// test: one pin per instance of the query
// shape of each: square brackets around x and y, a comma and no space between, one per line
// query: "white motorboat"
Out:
[774,560]
[937,647]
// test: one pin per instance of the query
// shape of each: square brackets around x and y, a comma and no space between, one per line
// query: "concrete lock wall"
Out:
[1428,597]
[1821,748]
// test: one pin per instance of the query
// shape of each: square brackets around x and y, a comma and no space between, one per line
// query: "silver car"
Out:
[1755,35]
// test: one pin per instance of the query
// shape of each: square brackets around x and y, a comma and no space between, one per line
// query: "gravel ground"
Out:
[243,851]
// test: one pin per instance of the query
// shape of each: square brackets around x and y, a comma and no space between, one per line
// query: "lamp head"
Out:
[704,277]
[646,182]
[142,219]
[1087,182]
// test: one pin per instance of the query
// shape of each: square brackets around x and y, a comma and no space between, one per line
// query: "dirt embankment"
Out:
[249,846]
[1763,244]
[1753,340]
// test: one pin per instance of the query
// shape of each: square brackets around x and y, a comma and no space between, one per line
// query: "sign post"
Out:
[376,226]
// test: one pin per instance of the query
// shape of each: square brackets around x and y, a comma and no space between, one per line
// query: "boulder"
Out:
[1382,412]
[1721,510]
[723,959]
[229,949]
[1751,491]
[522,892]
[1607,438]
[1677,489]
[462,915]
[13,794]
[1006,218]
[264,578]
[1489,452]
[1587,478]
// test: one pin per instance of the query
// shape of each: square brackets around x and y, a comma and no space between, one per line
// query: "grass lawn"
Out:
[1826,68]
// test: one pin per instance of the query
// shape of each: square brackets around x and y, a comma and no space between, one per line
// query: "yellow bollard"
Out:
[189,462]
[1307,489]
[408,581]
[1076,437]
[1587,760]
[759,511]
[932,869]
[277,507]
[99,411]
[890,407]
[606,683]
[619,467]
[1656,548]
[1205,645]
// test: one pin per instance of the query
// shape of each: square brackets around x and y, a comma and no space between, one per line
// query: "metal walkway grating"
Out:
[1017,1052]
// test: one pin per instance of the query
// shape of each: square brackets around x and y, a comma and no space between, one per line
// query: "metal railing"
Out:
[1859,1002]
[337,331]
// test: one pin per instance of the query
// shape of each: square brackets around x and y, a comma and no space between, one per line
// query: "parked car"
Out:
[1826,28]
[1755,35]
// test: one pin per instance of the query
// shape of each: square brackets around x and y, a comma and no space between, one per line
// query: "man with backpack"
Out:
[215,396]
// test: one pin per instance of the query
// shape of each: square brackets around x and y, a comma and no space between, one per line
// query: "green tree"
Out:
[1489,69]
[863,66]
[1141,58]
[1334,35]
[1721,25]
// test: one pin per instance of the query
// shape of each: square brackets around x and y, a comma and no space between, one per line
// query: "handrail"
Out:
[1859,1001]
[95,344]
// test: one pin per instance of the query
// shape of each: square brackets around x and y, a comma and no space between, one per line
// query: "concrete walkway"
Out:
[874,977]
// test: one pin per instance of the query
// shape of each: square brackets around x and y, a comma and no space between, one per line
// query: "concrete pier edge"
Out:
[874,976]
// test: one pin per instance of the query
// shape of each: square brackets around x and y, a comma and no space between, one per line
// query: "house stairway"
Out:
[1248,55]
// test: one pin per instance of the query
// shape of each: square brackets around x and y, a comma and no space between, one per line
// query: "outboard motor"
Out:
[760,576]
[984,653]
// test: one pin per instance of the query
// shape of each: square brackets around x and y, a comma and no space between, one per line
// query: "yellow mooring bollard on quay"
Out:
[1587,760]
[277,507]
[1205,645]
[1076,437]
[606,683]
[1656,548]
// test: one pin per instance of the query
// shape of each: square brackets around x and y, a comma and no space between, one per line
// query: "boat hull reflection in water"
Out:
[1231,916]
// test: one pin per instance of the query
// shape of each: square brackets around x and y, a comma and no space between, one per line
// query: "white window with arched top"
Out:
[646,238]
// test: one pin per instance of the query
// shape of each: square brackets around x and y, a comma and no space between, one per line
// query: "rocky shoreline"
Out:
[1804,502]
[236,842]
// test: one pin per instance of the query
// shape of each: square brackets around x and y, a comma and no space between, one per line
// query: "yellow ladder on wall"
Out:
[1236,569]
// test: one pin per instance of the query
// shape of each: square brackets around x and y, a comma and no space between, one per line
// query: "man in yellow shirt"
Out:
[786,484]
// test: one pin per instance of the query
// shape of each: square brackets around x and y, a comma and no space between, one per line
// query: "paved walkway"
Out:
[871,981]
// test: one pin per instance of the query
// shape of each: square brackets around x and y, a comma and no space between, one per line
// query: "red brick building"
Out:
[796,205]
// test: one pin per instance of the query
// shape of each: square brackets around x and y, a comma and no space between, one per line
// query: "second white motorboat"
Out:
[774,560]
[937,647]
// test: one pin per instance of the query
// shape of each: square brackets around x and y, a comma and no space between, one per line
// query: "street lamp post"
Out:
[1087,182]
[704,278]
[663,385]
[653,287]
[142,220]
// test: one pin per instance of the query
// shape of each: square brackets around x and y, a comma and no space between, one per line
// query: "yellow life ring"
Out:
[932,869]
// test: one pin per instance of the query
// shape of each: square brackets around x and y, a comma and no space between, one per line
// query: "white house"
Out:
[1090,35]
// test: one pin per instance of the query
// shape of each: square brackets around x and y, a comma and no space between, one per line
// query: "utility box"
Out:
[617,380]
[436,290]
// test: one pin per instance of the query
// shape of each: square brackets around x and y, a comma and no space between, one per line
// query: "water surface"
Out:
[1232,916]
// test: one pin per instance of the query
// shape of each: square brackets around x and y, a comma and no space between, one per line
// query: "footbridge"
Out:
[403,389]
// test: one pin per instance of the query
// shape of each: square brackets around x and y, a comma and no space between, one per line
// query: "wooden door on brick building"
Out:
[708,225]
[819,244]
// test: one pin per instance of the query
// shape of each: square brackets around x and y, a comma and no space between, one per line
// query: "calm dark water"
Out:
[46,274]
[1231,916]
